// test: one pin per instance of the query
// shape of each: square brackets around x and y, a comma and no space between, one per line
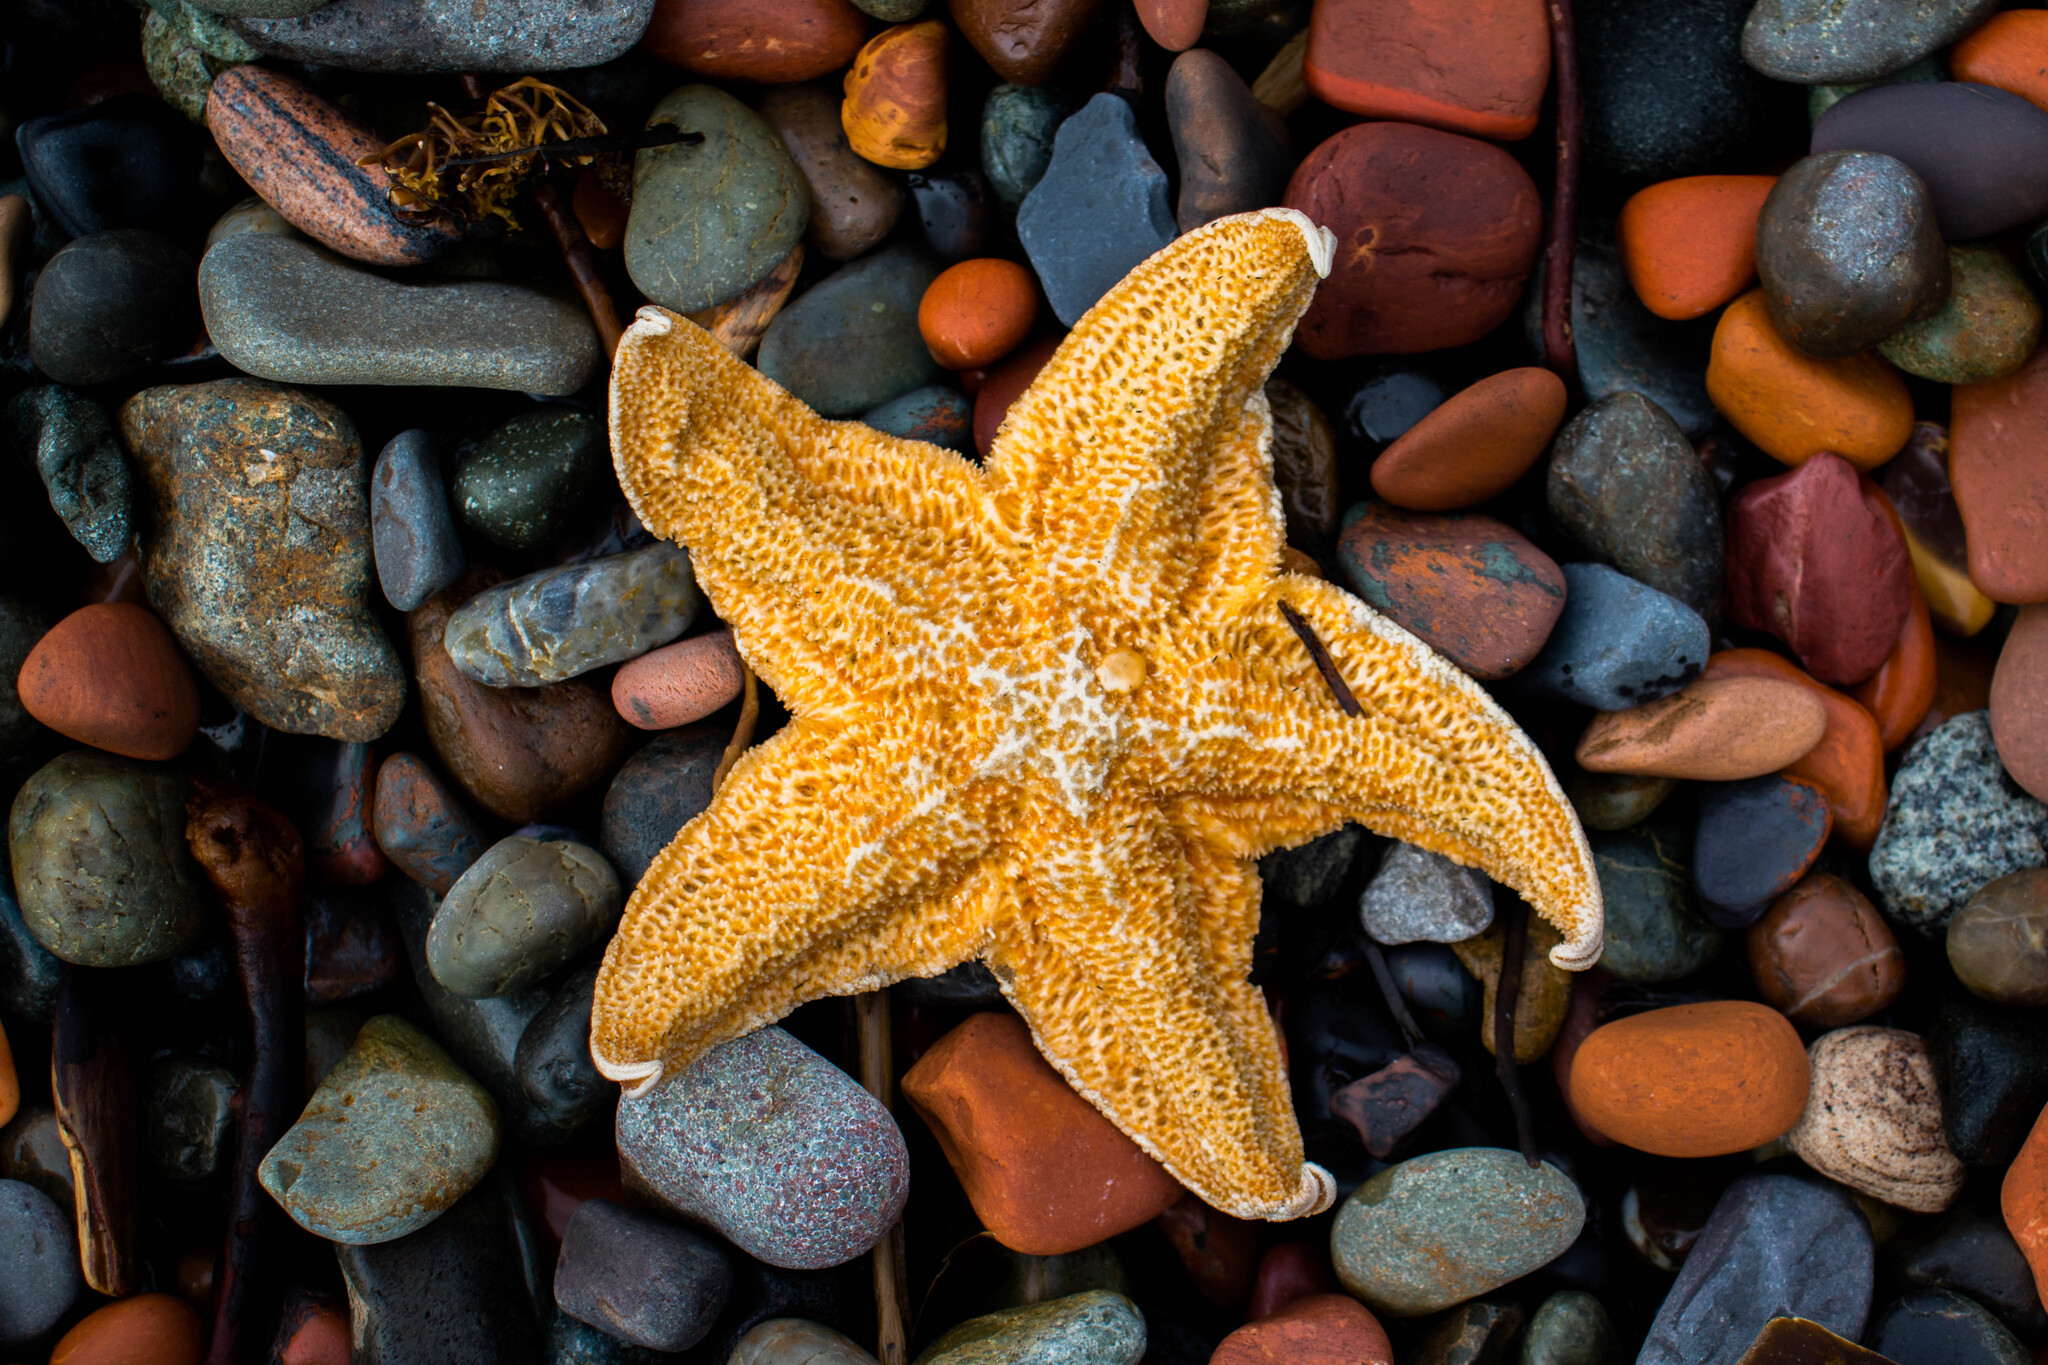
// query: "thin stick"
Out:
[1560,351]
[581,258]
[892,1286]
[1392,994]
[742,733]
[1324,662]
[1514,940]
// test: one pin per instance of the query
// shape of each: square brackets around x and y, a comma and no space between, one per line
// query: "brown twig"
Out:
[94,1087]
[581,258]
[743,732]
[1560,351]
[1324,663]
[1392,994]
[1514,942]
[257,864]
[892,1283]
[1127,68]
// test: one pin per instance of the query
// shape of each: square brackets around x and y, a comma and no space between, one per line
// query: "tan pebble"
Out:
[1541,1000]
[1873,1119]
[1713,730]
[679,683]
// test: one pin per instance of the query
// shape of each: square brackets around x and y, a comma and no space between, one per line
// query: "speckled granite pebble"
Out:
[70,439]
[446,35]
[1091,1328]
[1419,895]
[560,623]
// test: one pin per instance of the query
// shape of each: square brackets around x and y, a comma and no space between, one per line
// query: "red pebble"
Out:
[111,676]
[1004,384]
[1322,1329]
[679,683]
[1288,1272]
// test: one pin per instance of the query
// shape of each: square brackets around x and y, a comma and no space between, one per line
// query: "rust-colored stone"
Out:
[1478,66]
[1823,956]
[2019,700]
[111,676]
[1322,1329]
[895,109]
[1024,40]
[1288,1272]
[1693,1080]
[1997,431]
[977,312]
[1847,764]
[752,40]
[1689,245]
[149,1329]
[1793,405]
[1711,730]
[1475,446]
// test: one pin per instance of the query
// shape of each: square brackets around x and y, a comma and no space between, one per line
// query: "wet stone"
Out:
[1099,209]
[1823,956]
[561,623]
[578,1343]
[21,627]
[1817,42]
[1018,123]
[851,341]
[1092,1328]
[792,1341]
[1311,873]
[661,789]
[1234,151]
[70,438]
[1991,1067]
[1977,148]
[1617,644]
[1418,895]
[1873,1119]
[1972,1253]
[854,203]
[449,35]
[1653,933]
[1754,841]
[953,210]
[39,1275]
[1399,1098]
[639,1278]
[123,162]
[110,305]
[935,413]
[553,1063]
[1622,346]
[1569,1328]
[32,1151]
[519,913]
[412,532]
[421,825]
[453,1293]
[527,483]
[188,1122]
[1941,1325]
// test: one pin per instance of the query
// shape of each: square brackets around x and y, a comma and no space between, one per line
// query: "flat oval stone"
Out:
[854,205]
[851,341]
[1998,942]
[393,1137]
[1815,42]
[1713,730]
[711,218]
[448,35]
[1435,235]
[2000,491]
[421,825]
[1418,895]
[659,790]
[412,532]
[740,40]
[1939,1324]
[1776,1245]
[1018,124]
[1316,1329]
[100,863]
[1794,406]
[639,1278]
[458,1290]
[894,113]
[1979,149]
[39,1251]
[780,1151]
[1479,69]
[977,312]
[1233,149]
[1847,764]
[1754,842]
[1095,1327]
[1822,955]
[1848,253]
[71,439]
[1476,445]
[525,484]
[1873,1119]
[1436,1230]
[1653,933]
[110,305]
[1099,209]
[1991,1066]
[1469,586]
[1987,329]
[1617,644]
[792,1341]
[1689,244]
[289,311]
[562,623]
[2019,701]
[524,909]
[1954,823]
[679,683]
[937,414]
[1692,1080]
[111,676]
[1611,801]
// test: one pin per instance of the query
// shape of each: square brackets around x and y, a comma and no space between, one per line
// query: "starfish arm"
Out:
[1129,963]
[1431,759]
[1098,465]
[839,555]
[830,862]
[1241,526]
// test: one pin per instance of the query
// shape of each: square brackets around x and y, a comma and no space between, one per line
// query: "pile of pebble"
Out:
[343,700]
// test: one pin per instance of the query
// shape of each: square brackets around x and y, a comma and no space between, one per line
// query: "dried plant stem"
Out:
[1514,942]
[742,733]
[1560,351]
[892,1286]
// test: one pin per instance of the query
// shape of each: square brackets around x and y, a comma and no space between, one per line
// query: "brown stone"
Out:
[1290,1271]
[1802,1341]
[854,205]
[148,1329]
[1997,431]
[1823,956]
[1234,152]
[1004,384]
[1220,1252]
[1477,66]
[1542,997]
[1475,445]
[17,228]
[1045,1172]
[1175,25]
[1471,587]
[1304,463]
[518,751]
[1713,730]
[1998,942]
[299,152]
[894,113]
[1847,764]
[1435,235]
[1693,1080]
[1322,1329]
[111,676]
[2019,701]
[752,40]
[1023,39]
[1899,694]
[1873,1119]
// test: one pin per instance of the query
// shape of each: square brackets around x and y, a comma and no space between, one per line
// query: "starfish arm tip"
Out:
[652,320]
[1577,955]
[1322,243]
[637,1077]
[1317,1192]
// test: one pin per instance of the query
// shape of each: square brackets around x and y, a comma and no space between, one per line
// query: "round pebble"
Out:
[1873,1119]
[1692,1080]
[679,683]
[149,1329]
[522,910]
[1987,329]
[976,312]
[1998,942]
[1824,956]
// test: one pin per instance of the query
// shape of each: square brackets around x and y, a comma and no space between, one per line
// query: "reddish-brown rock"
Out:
[1023,39]
[1004,384]
[1814,560]
[2019,701]
[1997,431]
[149,1329]
[1175,25]
[894,113]
[2023,1199]
[1793,405]
[313,1332]
[1899,693]
[1477,66]
[977,312]
[679,683]
[10,1082]
[1045,1172]
[1322,1329]
[1220,1252]
[854,203]
[1847,764]
[1435,235]
[299,152]
[748,40]
[1475,445]
[111,676]
[1287,1272]
[1581,1017]
[1471,587]
[1693,1080]
[421,826]
[518,751]
[1689,245]
[1823,956]
[1711,730]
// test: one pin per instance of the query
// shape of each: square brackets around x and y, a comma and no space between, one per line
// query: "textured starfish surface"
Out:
[1046,711]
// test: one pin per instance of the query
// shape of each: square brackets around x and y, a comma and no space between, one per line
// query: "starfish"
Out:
[1046,711]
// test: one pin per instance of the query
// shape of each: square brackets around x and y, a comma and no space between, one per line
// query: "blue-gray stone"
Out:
[29,972]
[560,623]
[446,35]
[935,413]
[70,438]
[1018,124]
[521,912]
[661,789]
[1955,821]
[39,1275]
[412,532]
[1653,933]
[1941,1327]
[1820,42]
[1775,1246]
[553,1061]
[641,1278]
[1099,210]
[1417,896]
[851,341]
[578,1343]
[1617,644]
[1091,1328]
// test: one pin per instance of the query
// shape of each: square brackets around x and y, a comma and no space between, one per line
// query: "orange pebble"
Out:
[1689,245]
[2023,1199]
[679,683]
[976,312]
[10,1084]
[1900,692]
[111,675]
[1847,764]
[149,1329]
[1692,1080]
[1793,405]
[895,108]
[1475,446]
[2010,51]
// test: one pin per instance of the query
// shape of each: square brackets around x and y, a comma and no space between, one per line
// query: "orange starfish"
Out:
[1047,711]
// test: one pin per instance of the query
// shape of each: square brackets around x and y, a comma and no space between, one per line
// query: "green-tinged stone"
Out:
[71,438]
[180,71]
[1094,1328]
[711,218]
[529,480]
[101,867]
[891,11]
[521,912]
[851,342]
[1041,1279]
[1569,1328]
[1611,801]
[1821,98]
[1017,127]
[1998,941]
[1474,1334]
[1653,932]
[559,623]
[1439,1229]
[1987,329]
[189,1120]
[394,1136]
